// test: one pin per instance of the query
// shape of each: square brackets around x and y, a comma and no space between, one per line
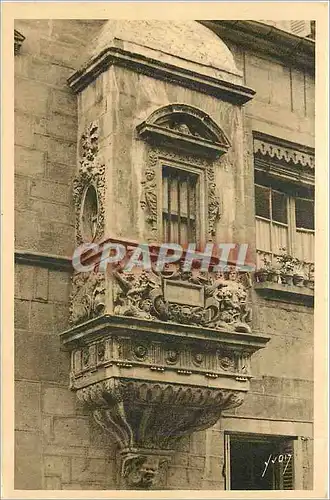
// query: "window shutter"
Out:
[288,475]
[284,471]
[300,28]
[227,462]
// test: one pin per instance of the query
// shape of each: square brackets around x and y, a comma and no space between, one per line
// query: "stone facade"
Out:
[58,443]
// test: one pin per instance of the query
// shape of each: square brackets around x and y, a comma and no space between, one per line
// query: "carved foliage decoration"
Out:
[149,199]
[225,303]
[213,205]
[87,296]
[151,188]
[89,188]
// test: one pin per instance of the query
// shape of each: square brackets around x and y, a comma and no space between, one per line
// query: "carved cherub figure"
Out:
[149,198]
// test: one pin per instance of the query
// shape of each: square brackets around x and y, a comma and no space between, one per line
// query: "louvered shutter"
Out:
[284,466]
[300,28]
[288,467]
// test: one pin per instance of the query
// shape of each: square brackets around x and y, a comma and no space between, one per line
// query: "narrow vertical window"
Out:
[179,206]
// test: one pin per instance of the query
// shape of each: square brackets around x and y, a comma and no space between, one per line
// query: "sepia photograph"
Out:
[164,175]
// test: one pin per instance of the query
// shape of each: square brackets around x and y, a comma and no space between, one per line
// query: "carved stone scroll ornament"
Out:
[148,418]
[224,304]
[151,188]
[90,178]
[87,296]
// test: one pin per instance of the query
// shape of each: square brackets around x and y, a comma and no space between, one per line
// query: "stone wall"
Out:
[58,446]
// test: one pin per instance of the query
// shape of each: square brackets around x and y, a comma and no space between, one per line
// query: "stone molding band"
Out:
[221,89]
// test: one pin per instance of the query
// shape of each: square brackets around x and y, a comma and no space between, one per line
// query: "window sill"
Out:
[289,293]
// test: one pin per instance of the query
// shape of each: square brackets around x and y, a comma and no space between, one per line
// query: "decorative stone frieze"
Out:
[284,153]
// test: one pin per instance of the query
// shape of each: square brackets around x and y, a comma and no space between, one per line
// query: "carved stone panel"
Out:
[89,189]
[88,296]
[217,300]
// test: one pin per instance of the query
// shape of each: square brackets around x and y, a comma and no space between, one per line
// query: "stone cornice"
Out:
[18,40]
[263,38]
[31,258]
[232,92]
[247,341]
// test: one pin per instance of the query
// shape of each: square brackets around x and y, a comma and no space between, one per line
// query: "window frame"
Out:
[257,438]
[201,212]
[291,220]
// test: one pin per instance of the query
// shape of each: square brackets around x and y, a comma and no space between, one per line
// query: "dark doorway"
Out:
[260,464]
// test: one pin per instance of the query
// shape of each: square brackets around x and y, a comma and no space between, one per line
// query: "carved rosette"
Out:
[89,188]
[217,300]
[87,297]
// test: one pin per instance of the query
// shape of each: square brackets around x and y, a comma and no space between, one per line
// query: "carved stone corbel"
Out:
[148,384]
[148,418]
